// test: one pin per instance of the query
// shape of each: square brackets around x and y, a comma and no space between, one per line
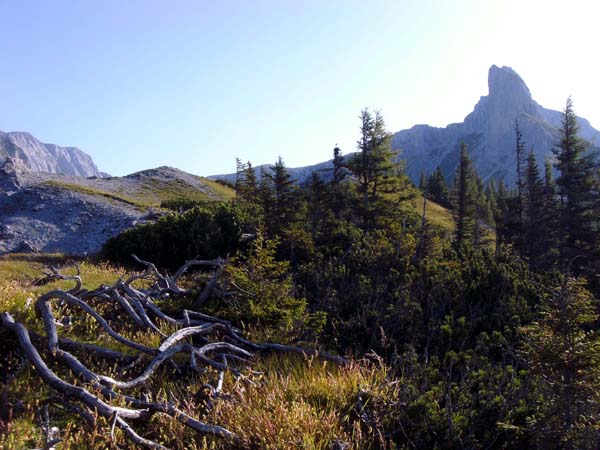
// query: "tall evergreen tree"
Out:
[535,226]
[423,183]
[579,201]
[339,192]
[437,188]
[521,159]
[319,199]
[500,207]
[463,198]
[551,218]
[248,196]
[283,210]
[483,215]
[381,181]
[239,171]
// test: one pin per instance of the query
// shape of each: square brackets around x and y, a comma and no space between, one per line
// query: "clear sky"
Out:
[195,84]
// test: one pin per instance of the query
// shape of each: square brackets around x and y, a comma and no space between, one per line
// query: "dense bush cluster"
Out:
[209,231]
[488,337]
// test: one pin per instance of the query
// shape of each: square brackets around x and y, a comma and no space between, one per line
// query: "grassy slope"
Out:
[438,215]
[297,403]
[153,192]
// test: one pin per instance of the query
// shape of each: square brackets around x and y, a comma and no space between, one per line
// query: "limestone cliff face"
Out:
[40,157]
[489,131]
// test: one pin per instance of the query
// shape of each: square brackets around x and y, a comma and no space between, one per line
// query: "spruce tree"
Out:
[423,183]
[463,199]
[521,159]
[283,210]
[248,196]
[382,185]
[239,173]
[319,198]
[562,350]
[535,226]
[579,201]
[500,196]
[483,215]
[339,192]
[437,188]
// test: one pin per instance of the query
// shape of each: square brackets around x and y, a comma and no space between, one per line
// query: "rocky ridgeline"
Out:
[60,213]
[36,216]
[40,157]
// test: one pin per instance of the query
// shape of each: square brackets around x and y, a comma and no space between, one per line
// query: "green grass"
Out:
[152,192]
[226,193]
[298,402]
[438,215]
[98,192]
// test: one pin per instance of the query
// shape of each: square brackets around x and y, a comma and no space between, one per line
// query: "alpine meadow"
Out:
[435,287]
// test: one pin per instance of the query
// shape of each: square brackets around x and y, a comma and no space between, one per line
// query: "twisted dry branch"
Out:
[195,335]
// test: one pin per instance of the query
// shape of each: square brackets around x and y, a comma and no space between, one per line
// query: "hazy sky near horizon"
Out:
[195,84]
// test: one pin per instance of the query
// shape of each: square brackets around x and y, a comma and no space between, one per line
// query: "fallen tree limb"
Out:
[208,342]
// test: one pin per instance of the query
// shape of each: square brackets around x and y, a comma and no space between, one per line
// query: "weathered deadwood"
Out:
[90,349]
[94,402]
[42,305]
[219,263]
[54,275]
[208,340]
[57,383]
[209,287]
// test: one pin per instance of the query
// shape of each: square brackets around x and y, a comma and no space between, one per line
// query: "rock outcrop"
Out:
[49,213]
[40,157]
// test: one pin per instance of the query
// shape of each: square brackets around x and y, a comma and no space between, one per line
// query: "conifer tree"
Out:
[579,201]
[437,188]
[248,194]
[500,196]
[483,215]
[463,199]
[239,171]
[283,209]
[423,183]
[535,226]
[338,188]
[319,199]
[563,350]
[551,212]
[382,184]
[267,199]
[521,159]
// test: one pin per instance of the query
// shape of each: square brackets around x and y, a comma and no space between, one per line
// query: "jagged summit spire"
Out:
[504,81]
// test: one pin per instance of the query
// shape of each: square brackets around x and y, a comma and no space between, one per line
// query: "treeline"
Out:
[551,224]
[492,335]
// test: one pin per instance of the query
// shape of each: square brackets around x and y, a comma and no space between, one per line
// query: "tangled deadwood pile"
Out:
[200,340]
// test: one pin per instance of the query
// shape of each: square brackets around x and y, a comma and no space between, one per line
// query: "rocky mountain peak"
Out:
[509,99]
[489,132]
[504,82]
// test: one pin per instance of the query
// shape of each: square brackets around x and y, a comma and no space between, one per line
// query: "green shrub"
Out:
[205,232]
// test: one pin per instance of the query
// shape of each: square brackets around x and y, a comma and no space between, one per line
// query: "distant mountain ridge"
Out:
[40,157]
[489,131]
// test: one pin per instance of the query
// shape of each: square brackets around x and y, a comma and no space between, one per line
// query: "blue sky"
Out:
[195,84]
